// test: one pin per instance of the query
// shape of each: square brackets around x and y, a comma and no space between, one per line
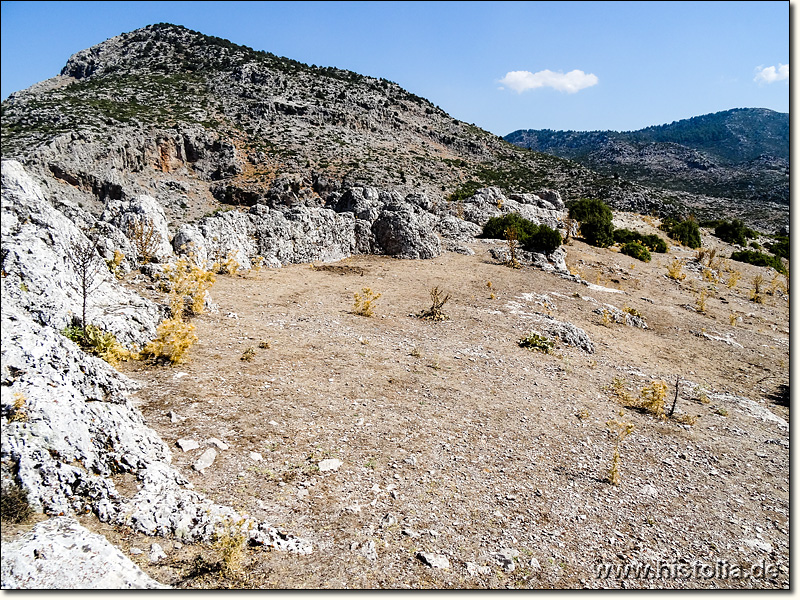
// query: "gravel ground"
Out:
[465,461]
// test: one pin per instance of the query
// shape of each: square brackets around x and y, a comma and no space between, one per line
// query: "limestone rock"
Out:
[61,554]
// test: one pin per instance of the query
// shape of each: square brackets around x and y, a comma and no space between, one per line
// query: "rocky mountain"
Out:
[741,154]
[201,123]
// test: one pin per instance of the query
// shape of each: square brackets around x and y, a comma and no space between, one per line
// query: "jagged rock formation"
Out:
[68,426]
[198,123]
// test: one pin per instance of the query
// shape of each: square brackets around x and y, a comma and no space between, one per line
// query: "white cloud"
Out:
[771,74]
[571,82]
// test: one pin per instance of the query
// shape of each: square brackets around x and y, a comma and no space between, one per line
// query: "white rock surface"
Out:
[61,554]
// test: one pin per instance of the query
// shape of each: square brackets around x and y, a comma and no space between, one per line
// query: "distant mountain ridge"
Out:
[739,153]
[164,108]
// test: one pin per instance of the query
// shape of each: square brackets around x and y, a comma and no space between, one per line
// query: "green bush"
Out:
[780,248]
[532,237]
[538,343]
[636,250]
[734,232]
[545,240]
[687,233]
[759,259]
[653,242]
[595,219]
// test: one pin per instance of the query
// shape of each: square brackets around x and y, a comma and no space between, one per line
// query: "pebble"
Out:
[256,456]
[156,553]
[436,561]
[187,445]
[175,417]
[388,520]
[206,460]
[329,464]
[136,551]
[218,443]
[367,550]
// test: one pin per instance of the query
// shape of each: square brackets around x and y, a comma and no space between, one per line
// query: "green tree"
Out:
[595,219]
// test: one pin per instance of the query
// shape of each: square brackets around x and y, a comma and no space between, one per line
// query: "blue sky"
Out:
[501,65]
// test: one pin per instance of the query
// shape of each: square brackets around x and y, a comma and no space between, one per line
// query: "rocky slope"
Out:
[742,154]
[199,122]
[217,151]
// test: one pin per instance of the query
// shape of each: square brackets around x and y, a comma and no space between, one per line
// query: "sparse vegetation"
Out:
[173,339]
[434,313]
[83,257]
[144,238]
[249,354]
[364,303]
[536,342]
[620,430]
[675,270]
[14,506]
[102,344]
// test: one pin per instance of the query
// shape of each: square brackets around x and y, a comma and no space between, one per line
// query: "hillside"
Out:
[740,153]
[253,337]
[251,124]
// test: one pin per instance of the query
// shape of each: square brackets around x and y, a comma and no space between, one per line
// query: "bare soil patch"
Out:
[456,441]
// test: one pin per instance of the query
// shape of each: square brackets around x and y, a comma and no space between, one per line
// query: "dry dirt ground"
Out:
[457,442]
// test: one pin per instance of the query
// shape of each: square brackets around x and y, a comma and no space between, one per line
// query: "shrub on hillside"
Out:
[686,232]
[780,248]
[595,219]
[734,232]
[531,237]
[653,242]
[759,259]
[637,250]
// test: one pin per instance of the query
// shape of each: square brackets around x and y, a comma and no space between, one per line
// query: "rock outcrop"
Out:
[60,554]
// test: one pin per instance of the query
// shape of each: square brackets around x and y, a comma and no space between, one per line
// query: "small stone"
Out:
[175,417]
[329,464]
[218,443]
[410,533]
[206,460]
[388,520]
[649,490]
[136,551]
[505,558]
[273,423]
[156,553]
[534,564]
[187,445]
[353,508]
[367,550]
[436,561]
[256,456]
[302,493]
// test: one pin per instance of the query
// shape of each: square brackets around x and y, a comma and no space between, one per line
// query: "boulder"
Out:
[143,221]
[401,232]
[61,554]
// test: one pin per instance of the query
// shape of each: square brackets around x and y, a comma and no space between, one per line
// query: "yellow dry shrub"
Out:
[173,339]
[189,284]
[675,270]
[226,266]
[733,277]
[105,345]
[363,302]
[652,398]
[621,430]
